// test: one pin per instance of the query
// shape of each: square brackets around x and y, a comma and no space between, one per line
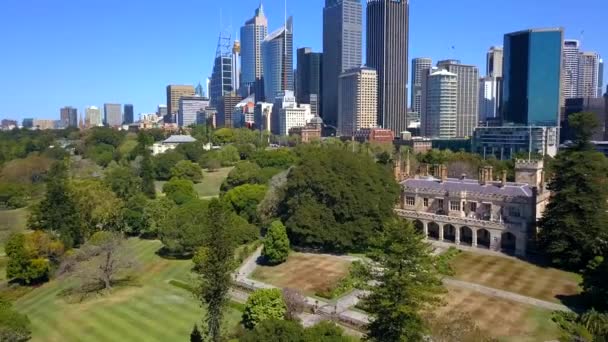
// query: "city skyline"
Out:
[151,70]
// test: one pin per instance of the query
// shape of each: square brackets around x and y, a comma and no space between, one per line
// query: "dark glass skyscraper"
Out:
[221,77]
[128,114]
[69,116]
[387,52]
[532,77]
[308,80]
[277,61]
[342,49]
[252,34]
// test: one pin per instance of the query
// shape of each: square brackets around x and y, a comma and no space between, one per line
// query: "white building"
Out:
[191,109]
[357,100]
[589,74]
[570,68]
[439,104]
[505,142]
[489,98]
[263,116]
[294,116]
[171,143]
[92,117]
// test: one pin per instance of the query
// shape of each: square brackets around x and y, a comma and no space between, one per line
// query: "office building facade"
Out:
[92,117]
[467,116]
[494,59]
[505,142]
[277,60]
[597,106]
[589,74]
[225,110]
[531,94]
[420,68]
[113,114]
[308,77]
[489,99]
[570,69]
[439,104]
[252,34]
[387,52]
[221,76]
[174,93]
[342,50]
[128,115]
[69,116]
[191,110]
[358,94]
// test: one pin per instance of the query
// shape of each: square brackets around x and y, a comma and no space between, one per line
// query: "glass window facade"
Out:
[532,73]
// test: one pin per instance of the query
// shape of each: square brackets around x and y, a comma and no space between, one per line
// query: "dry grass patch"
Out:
[309,273]
[516,276]
[500,318]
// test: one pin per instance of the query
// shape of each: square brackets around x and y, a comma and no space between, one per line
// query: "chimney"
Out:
[437,171]
[482,175]
[444,173]
[503,183]
[424,170]
[490,175]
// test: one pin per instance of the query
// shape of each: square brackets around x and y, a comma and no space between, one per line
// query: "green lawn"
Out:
[210,186]
[152,311]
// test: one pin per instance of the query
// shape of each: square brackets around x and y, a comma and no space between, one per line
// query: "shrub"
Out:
[263,305]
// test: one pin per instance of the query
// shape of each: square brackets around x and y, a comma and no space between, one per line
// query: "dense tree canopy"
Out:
[186,169]
[30,256]
[180,190]
[276,244]
[337,200]
[573,227]
[244,200]
[262,305]
[163,163]
[14,327]
[290,331]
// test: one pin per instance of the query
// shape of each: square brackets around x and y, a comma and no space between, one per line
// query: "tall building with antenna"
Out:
[277,57]
[252,34]
[221,77]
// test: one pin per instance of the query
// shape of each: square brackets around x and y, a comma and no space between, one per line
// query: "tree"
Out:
[134,216]
[155,213]
[282,158]
[276,244]
[147,175]
[186,169]
[290,331]
[180,190]
[58,211]
[185,228]
[595,282]
[228,155]
[406,284]
[336,200]
[163,163]
[100,262]
[573,226]
[263,304]
[30,256]
[195,335]
[244,200]
[295,303]
[243,173]
[28,170]
[99,207]
[123,180]
[214,268]
[14,327]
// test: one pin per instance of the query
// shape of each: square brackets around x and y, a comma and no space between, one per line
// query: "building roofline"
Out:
[532,30]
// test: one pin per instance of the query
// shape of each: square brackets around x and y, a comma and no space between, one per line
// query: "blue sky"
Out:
[87,52]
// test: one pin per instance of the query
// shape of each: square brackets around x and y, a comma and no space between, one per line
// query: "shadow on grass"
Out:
[82,292]
[165,253]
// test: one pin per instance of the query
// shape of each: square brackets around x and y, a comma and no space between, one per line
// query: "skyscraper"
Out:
[308,80]
[588,74]
[467,113]
[358,89]
[191,110]
[226,109]
[532,73]
[420,68]
[174,92]
[69,116]
[387,52]
[252,34]
[489,98]
[600,82]
[494,61]
[221,77]
[570,72]
[277,57]
[92,117]
[113,114]
[439,104]
[342,49]
[128,114]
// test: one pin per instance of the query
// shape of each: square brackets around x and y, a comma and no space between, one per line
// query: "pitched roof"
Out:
[469,185]
[179,139]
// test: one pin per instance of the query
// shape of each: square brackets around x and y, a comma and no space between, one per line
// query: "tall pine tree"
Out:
[58,212]
[214,266]
[147,175]
[407,283]
[574,226]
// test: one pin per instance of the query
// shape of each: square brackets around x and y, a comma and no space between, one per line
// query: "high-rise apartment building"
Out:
[467,116]
[420,68]
[69,116]
[113,114]
[92,117]
[191,110]
[439,104]
[308,79]
[128,115]
[342,49]
[277,60]
[489,98]
[387,52]
[358,94]
[494,61]
[174,93]
[571,61]
[252,34]
[588,74]
[532,77]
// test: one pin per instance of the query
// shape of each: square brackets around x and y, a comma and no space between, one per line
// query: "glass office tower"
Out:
[532,77]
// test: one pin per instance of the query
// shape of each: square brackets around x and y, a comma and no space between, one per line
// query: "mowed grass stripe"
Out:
[137,324]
